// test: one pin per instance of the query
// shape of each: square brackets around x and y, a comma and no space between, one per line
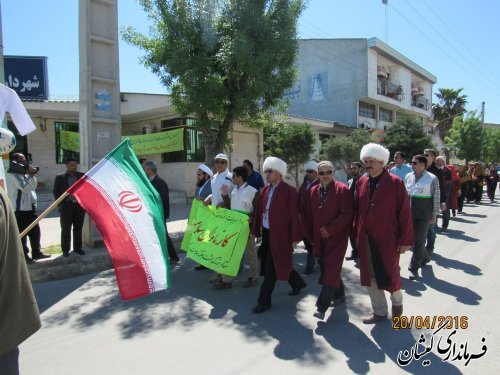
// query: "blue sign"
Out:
[27,76]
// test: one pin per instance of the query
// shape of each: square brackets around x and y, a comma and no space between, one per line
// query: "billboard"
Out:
[27,76]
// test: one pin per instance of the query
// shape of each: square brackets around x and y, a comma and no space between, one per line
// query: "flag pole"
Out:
[43,214]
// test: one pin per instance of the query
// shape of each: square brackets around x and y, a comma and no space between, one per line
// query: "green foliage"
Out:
[343,150]
[293,143]
[492,148]
[451,104]
[466,137]
[407,135]
[222,60]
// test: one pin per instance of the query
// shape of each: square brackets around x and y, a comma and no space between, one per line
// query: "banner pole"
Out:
[44,213]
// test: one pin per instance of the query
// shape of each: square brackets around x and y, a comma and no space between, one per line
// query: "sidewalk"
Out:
[96,259]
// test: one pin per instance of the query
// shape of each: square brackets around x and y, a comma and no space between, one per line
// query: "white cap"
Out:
[375,151]
[205,169]
[276,164]
[221,156]
[311,165]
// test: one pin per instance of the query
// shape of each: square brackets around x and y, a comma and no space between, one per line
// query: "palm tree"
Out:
[451,104]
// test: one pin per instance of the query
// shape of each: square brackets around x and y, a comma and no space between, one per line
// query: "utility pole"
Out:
[386,19]
[482,130]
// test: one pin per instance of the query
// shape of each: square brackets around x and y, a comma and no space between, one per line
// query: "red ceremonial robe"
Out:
[284,226]
[304,207]
[336,216]
[455,187]
[387,220]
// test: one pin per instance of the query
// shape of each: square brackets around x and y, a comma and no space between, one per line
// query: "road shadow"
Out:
[456,264]
[462,294]
[391,342]
[480,216]
[462,220]
[458,235]
[359,350]
[48,293]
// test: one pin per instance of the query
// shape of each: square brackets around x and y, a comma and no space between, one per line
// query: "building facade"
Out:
[361,83]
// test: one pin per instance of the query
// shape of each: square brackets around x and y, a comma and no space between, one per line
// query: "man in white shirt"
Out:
[243,198]
[221,177]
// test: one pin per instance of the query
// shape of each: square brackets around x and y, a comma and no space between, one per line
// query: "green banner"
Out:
[69,140]
[216,237]
[157,143]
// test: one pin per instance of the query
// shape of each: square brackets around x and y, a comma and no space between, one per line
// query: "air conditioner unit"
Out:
[148,129]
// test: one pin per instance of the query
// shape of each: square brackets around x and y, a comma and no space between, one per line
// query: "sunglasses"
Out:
[327,173]
[220,162]
[310,171]
[268,171]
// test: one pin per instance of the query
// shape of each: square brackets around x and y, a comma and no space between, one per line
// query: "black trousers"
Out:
[24,219]
[267,264]
[310,256]
[490,189]
[463,194]
[172,254]
[327,295]
[420,228]
[72,216]
[478,194]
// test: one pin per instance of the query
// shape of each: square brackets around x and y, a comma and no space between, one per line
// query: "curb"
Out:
[95,260]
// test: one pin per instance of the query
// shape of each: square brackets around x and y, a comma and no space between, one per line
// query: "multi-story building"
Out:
[359,83]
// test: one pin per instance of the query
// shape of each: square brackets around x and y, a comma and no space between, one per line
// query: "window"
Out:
[385,114]
[367,110]
[21,140]
[194,146]
[61,154]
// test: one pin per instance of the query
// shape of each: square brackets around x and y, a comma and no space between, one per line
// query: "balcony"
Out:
[420,102]
[389,89]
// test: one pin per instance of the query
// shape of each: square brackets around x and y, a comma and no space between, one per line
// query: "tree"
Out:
[466,137]
[492,147]
[293,143]
[407,135]
[343,150]
[223,60]
[451,104]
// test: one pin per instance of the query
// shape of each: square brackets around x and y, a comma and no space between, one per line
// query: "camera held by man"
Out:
[22,165]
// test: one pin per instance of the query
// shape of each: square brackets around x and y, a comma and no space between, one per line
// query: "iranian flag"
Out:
[128,212]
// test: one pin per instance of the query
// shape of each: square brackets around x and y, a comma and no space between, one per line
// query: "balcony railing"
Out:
[420,102]
[389,89]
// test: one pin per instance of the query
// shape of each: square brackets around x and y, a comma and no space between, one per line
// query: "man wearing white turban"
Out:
[384,230]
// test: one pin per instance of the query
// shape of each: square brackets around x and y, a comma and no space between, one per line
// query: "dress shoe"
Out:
[250,282]
[296,291]
[320,315]
[65,254]
[40,255]
[338,301]
[374,318]
[79,252]
[28,259]
[397,311]
[413,274]
[200,268]
[259,309]
[173,262]
[223,285]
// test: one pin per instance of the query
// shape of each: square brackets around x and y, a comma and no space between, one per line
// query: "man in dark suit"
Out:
[72,214]
[151,169]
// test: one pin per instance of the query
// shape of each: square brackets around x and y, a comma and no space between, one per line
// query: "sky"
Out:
[455,40]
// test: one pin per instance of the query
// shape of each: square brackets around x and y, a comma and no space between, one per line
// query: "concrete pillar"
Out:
[99,115]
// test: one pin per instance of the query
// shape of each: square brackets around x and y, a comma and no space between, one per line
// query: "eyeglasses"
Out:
[414,162]
[310,171]
[235,176]
[220,162]
[426,155]
[268,171]
[325,173]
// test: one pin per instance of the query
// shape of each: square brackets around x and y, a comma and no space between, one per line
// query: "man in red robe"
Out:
[277,218]
[310,180]
[384,230]
[331,210]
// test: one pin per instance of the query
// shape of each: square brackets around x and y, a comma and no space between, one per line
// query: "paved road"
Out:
[191,328]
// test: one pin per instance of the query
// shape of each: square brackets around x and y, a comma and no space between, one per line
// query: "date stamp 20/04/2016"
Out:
[430,322]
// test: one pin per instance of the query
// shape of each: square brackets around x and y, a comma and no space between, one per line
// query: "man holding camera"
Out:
[21,188]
